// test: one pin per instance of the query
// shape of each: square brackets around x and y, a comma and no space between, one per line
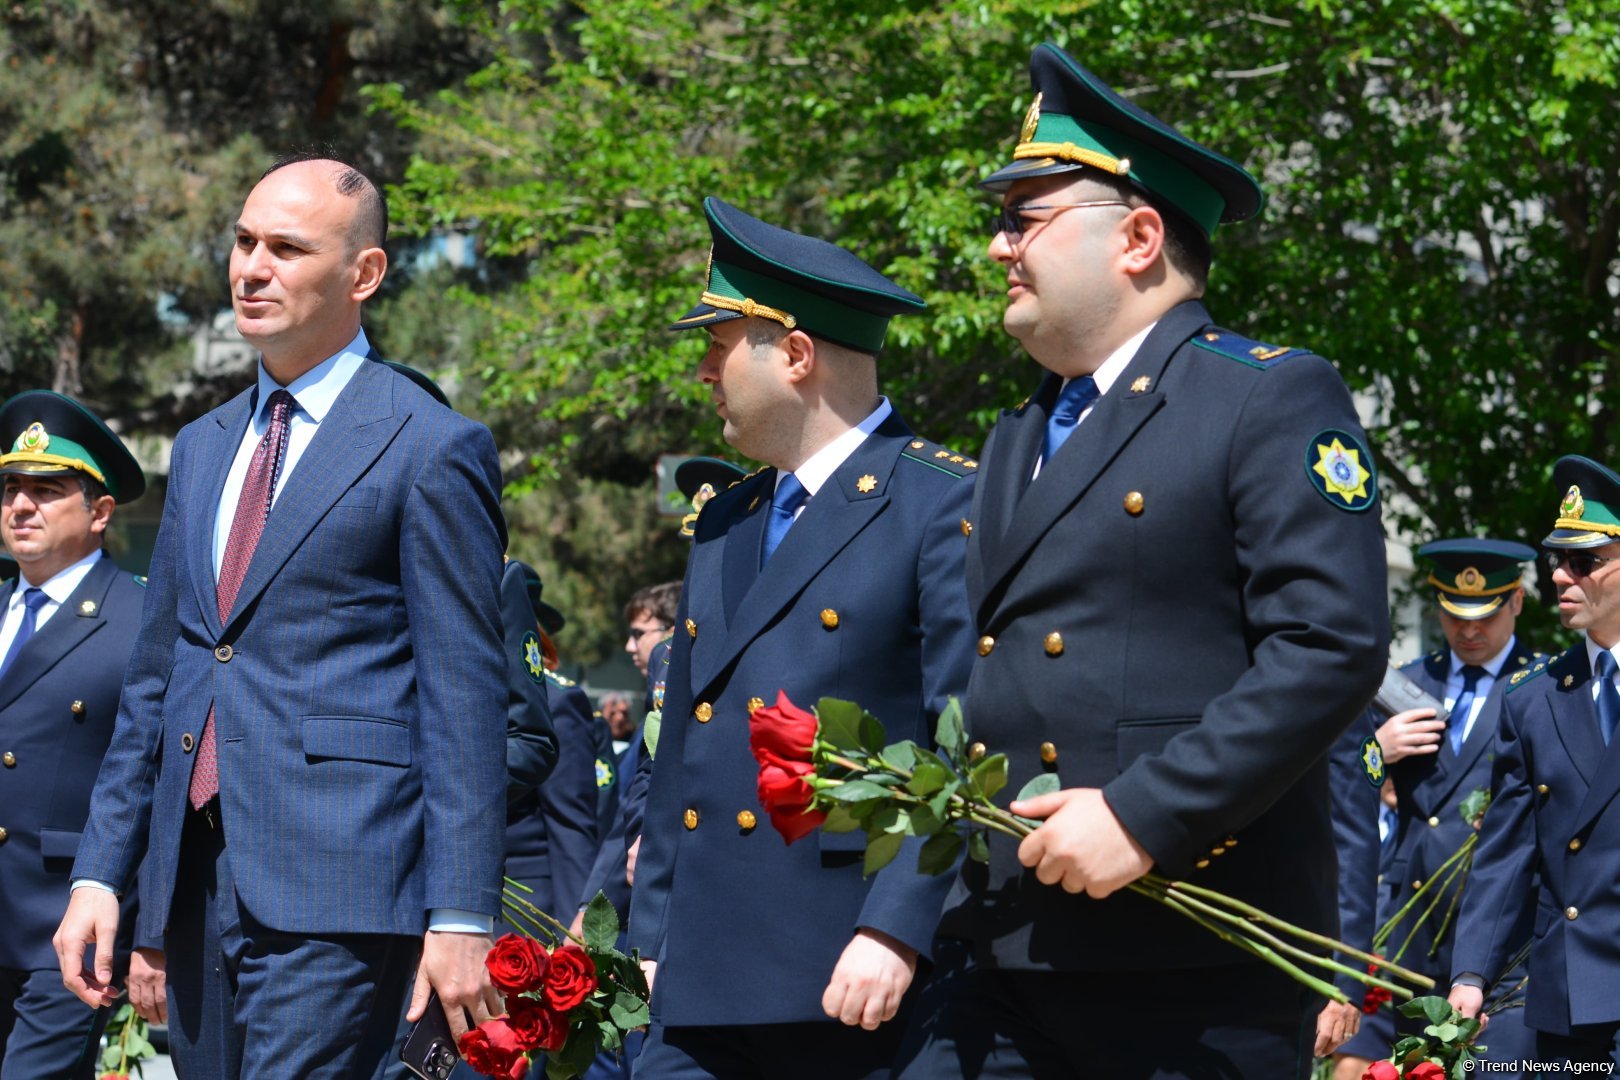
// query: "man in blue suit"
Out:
[835,571]
[311,741]
[1435,765]
[66,629]
[1553,812]
[1177,575]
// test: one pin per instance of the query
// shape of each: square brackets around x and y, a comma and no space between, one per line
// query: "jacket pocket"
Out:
[58,843]
[1138,738]
[357,738]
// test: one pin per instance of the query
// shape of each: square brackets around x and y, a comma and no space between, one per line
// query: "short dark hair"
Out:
[91,488]
[371,223]
[1185,245]
[659,601]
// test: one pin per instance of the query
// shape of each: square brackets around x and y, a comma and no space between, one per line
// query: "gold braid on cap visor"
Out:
[748,308]
[1068,151]
[51,461]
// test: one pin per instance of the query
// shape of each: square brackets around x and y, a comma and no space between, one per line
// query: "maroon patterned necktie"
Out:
[252,510]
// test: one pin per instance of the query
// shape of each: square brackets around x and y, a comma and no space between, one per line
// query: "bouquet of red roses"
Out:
[1445,1050]
[567,997]
[831,769]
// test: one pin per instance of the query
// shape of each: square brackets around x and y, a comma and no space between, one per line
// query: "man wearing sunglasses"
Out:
[1553,813]
[1176,572]
[1435,763]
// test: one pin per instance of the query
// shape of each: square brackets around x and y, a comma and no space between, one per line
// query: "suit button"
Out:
[1571,914]
[1048,752]
[986,643]
[1054,644]
[1542,789]
[224,653]
[1574,845]
[77,708]
[755,704]
[4,836]
[967,527]
[1417,884]
[1201,863]
[704,712]
[10,760]
[187,743]
[746,820]
[691,628]
[1133,503]
[977,751]
[690,818]
[1434,823]
[829,618]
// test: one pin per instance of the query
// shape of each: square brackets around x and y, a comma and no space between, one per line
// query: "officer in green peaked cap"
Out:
[43,433]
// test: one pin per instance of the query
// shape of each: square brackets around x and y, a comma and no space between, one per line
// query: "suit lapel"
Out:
[1483,733]
[744,537]
[1117,417]
[1603,762]
[67,629]
[1574,715]
[834,517]
[217,446]
[359,427]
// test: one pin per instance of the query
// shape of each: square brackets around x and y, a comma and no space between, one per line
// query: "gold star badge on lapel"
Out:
[88,607]
[866,484]
[1140,386]
[1568,679]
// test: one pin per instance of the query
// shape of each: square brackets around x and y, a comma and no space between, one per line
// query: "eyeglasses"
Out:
[1012,221]
[1579,563]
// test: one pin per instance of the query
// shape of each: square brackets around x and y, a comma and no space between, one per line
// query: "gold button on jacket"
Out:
[746,819]
[1575,844]
[829,618]
[690,818]
[10,759]
[1572,914]
[704,712]
[1054,644]
[986,643]
[1048,752]
[77,708]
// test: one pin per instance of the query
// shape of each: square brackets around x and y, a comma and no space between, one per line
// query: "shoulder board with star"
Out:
[924,452]
[737,489]
[1256,354]
[561,680]
[1527,675]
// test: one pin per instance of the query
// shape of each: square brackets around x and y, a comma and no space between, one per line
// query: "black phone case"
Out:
[429,1051]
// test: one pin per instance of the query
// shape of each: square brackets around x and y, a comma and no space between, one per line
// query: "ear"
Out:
[800,349]
[1142,240]
[370,264]
[1516,601]
[101,512]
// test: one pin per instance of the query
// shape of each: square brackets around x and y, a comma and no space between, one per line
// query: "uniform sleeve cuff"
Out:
[1468,978]
[92,883]
[456,921]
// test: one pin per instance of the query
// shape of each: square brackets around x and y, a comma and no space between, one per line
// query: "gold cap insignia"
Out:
[1032,120]
[1140,386]
[1470,582]
[1573,505]
[866,484]
[33,439]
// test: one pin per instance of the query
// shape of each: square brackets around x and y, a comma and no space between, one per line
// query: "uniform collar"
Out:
[60,585]
[824,462]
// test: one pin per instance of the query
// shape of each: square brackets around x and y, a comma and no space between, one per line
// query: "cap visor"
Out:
[1003,178]
[703,315]
[1571,538]
[1469,609]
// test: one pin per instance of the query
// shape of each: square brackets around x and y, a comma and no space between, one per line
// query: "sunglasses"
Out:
[1578,563]
[1012,220]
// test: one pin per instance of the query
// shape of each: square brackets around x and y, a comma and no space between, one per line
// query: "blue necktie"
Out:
[789,496]
[1074,399]
[1608,700]
[33,600]
[1457,729]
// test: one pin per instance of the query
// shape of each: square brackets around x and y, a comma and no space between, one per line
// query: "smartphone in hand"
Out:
[430,1051]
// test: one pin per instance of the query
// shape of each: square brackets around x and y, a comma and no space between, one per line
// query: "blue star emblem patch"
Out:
[1340,468]
[533,660]
[1372,761]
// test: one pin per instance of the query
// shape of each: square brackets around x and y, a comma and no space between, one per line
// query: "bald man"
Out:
[310,744]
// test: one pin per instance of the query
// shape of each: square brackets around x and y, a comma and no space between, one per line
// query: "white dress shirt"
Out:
[820,466]
[58,587]
[1454,686]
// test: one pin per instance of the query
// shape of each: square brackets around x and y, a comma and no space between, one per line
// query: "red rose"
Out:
[492,1049]
[1381,1070]
[1426,1070]
[537,1026]
[784,793]
[782,732]
[1374,997]
[570,978]
[516,964]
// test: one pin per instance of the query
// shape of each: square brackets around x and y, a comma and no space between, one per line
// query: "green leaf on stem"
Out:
[928,778]
[608,1036]
[577,1053]
[978,847]
[924,822]
[880,852]
[872,734]
[1436,1010]
[856,791]
[649,732]
[1044,784]
[888,819]
[840,820]
[948,734]
[901,756]
[1443,1032]
[990,775]
[1473,807]
[600,924]
[939,854]
[840,723]
[941,799]
[628,1011]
